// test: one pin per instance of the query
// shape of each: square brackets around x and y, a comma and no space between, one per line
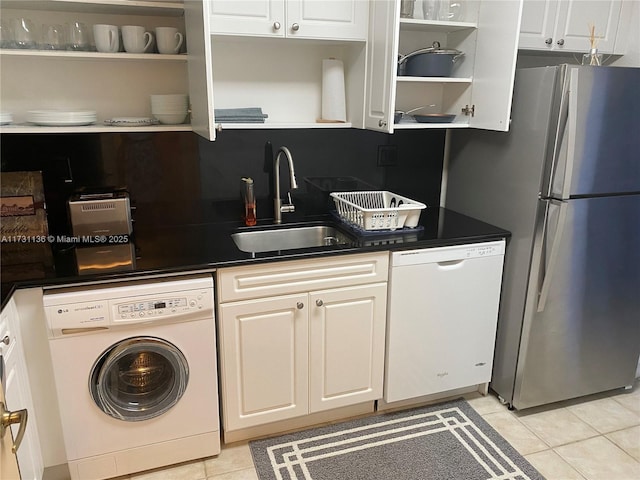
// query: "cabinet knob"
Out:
[300,305]
[276,25]
[382,123]
[295,27]
[319,302]
[560,42]
[549,41]
[6,340]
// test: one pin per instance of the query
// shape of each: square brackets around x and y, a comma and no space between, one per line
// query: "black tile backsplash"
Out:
[182,170]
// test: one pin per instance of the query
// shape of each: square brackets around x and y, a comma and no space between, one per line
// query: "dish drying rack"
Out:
[377,210]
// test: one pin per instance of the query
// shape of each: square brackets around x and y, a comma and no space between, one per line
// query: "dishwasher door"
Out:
[442,317]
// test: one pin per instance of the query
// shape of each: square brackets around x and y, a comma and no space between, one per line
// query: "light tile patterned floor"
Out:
[593,438]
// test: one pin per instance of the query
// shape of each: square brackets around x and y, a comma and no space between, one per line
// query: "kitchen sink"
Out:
[288,238]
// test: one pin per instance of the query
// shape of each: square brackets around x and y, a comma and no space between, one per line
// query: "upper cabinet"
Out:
[330,19]
[565,25]
[115,85]
[269,54]
[478,91]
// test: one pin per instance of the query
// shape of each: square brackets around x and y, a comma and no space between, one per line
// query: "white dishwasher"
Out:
[442,318]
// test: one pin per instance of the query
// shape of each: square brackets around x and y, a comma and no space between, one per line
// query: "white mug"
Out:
[135,39]
[168,39]
[106,38]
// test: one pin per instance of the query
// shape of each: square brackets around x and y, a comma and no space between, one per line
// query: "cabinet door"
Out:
[200,68]
[331,19]
[248,17]
[382,50]
[538,23]
[263,360]
[8,460]
[574,19]
[495,64]
[18,393]
[347,331]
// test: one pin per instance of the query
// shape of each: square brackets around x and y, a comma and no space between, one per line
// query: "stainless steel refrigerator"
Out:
[565,180]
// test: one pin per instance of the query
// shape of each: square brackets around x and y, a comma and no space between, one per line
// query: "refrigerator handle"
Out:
[565,140]
[570,120]
[553,254]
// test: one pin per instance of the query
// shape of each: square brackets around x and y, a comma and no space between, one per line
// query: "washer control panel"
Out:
[159,306]
[89,310]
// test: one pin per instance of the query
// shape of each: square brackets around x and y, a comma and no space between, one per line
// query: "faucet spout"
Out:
[278,207]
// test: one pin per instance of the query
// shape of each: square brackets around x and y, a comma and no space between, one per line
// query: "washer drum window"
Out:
[139,378]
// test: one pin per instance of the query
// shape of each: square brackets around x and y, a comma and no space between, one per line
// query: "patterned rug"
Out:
[447,441]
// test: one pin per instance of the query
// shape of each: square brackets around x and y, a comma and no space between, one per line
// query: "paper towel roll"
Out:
[334,106]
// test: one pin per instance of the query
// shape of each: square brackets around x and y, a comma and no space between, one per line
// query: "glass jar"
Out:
[451,10]
[406,8]
[431,9]
[592,58]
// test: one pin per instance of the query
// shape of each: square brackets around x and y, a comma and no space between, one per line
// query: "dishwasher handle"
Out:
[450,264]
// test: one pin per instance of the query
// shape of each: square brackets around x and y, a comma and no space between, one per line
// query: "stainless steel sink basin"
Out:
[288,238]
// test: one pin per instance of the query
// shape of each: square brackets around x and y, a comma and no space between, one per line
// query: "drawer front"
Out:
[278,278]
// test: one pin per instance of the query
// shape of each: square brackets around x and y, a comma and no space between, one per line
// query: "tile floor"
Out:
[593,438]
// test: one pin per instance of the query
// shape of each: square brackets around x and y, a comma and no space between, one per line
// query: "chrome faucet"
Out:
[278,207]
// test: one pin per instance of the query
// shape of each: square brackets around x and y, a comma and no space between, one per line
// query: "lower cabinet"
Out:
[286,356]
[14,377]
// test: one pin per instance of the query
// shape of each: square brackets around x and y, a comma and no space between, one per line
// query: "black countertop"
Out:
[161,246]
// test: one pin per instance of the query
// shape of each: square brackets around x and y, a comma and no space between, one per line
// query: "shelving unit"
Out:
[484,75]
[112,84]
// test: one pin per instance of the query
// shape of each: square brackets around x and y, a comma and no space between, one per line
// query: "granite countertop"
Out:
[161,246]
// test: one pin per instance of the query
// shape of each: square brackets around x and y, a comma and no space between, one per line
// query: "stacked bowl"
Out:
[170,109]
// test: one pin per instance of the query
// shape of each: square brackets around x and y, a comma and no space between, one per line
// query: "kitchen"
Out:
[176,178]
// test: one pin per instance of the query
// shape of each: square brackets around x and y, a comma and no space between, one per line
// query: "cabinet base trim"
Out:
[299,422]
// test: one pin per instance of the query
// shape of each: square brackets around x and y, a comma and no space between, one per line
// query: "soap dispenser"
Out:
[249,198]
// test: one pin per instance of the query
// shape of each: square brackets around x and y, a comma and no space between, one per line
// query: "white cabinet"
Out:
[328,19]
[112,84]
[564,25]
[235,64]
[480,88]
[18,392]
[318,348]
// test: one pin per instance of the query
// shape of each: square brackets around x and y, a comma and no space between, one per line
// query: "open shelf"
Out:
[402,79]
[92,55]
[97,128]
[421,126]
[435,25]
[267,125]
[125,7]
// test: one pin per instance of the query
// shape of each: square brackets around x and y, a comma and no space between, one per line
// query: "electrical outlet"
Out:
[387,155]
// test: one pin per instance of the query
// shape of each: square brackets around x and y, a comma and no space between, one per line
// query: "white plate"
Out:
[131,121]
[62,113]
[62,123]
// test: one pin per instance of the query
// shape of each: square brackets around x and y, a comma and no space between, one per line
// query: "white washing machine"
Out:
[136,374]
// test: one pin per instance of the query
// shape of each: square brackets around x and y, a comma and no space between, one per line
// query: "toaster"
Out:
[100,213]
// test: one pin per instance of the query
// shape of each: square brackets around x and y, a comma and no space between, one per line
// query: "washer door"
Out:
[139,378]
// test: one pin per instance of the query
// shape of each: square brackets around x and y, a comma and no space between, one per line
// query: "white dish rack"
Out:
[377,210]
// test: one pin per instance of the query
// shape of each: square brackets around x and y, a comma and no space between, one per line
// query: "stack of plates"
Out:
[61,118]
[170,109]
[6,118]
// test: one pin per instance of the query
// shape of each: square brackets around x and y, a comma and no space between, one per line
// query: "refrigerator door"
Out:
[581,332]
[599,143]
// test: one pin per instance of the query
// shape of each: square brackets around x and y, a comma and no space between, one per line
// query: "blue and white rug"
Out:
[447,441]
